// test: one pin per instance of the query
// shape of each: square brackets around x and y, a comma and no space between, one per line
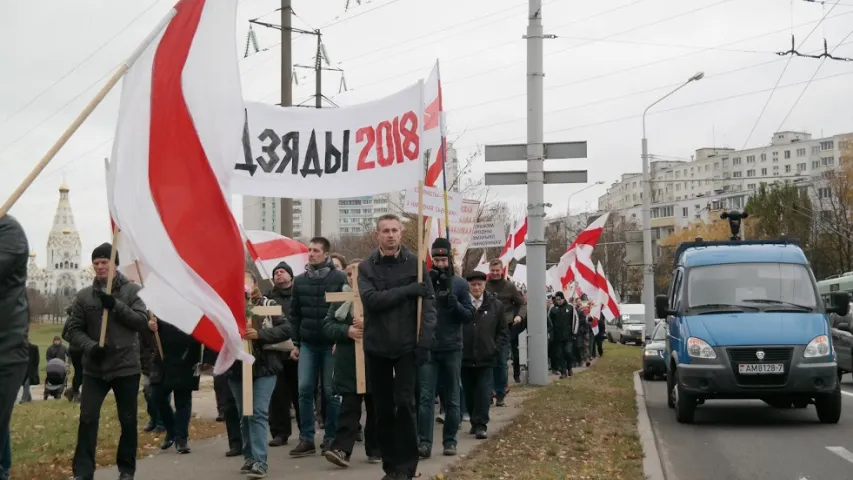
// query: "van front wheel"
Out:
[685,404]
[828,406]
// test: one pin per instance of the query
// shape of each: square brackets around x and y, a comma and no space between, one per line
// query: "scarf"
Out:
[347,308]
[318,271]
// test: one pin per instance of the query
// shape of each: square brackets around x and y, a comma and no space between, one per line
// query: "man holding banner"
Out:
[396,343]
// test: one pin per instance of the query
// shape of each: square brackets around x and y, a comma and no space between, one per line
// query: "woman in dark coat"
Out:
[176,373]
[342,328]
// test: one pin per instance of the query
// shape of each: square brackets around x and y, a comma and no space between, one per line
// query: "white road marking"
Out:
[842,452]
[845,392]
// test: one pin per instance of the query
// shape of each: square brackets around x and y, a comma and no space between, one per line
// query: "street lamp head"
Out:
[698,76]
[600,182]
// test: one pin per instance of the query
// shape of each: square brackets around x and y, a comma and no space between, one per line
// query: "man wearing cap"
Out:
[14,312]
[483,338]
[114,366]
[454,308]
[561,316]
[286,391]
[515,309]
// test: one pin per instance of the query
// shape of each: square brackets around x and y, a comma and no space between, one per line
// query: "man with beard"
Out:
[114,366]
[286,391]
[453,304]
[14,312]
[313,349]
[514,311]
[394,349]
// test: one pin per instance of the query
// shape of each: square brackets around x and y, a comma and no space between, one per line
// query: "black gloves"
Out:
[107,300]
[419,290]
[452,301]
[421,355]
[97,354]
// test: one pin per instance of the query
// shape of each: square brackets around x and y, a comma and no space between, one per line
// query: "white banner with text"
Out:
[433,201]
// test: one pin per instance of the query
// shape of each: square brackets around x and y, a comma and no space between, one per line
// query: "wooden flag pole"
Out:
[248,393]
[90,107]
[150,315]
[421,257]
[109,288]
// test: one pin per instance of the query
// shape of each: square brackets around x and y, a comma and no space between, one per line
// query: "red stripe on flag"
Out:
[433,112]
[176,155]
[434,170]
[277,249]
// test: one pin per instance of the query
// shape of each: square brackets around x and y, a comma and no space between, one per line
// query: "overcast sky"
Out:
[607,64]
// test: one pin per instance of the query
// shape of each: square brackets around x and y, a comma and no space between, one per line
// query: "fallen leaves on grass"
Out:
[583,427]
[44,435]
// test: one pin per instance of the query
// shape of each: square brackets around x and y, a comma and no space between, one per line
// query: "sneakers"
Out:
[326,446]
[337,457]
[449,451]
[480,434]
[247,466]
[278,441]
[499,402]
[374,459]
[257,471]
[182,447]
[466,417]
[425,451]
[304,449]
[167,444]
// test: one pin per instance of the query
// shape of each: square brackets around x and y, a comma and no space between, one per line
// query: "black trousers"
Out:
[177,421]
[349,424]
[599,344]
[393,386]
[563,353]
[516,358]
[11,377]
[476,383]
[227,404]
[77,363]
[286,393]
[95,390]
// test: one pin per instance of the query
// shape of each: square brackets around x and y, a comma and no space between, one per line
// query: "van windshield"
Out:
[753,284]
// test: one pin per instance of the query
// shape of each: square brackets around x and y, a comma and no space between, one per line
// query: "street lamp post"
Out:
[648,268]
[569,207]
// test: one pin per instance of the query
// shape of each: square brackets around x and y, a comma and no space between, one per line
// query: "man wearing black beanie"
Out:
[114,366]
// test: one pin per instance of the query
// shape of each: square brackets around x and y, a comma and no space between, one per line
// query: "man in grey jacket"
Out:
[14,319]
[115,366]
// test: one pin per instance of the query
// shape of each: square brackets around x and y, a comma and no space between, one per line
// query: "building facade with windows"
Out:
[718,179]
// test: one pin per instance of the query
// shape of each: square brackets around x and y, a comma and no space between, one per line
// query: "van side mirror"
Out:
[839,303]
[662,306]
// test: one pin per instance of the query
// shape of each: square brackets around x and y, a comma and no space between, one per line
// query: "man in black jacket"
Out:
[14,319]
[483,340]
[454,308]
[308,308]
[114,366]
[286,391]
[561,317]
[394,349]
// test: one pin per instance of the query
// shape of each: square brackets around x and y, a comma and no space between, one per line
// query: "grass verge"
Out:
[583,427]
[44,435]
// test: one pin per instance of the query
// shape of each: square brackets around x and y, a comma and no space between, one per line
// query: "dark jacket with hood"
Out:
[182,354]
[59,351]
[281,296]
[336,327]
[509,296]
[485,335]
[562,318]
[126,321]
[388,286]
[271,330]
[308,305]
[14,309]
[453,308]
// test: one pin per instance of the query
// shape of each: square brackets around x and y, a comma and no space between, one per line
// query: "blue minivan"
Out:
[746,322]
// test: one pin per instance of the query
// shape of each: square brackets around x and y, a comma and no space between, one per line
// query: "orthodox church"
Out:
[64,272]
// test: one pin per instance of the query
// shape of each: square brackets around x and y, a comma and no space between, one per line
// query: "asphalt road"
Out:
[748,440]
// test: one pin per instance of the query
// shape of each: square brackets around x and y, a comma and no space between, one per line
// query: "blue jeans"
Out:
[6,455]
[443,368]
[255,429]
[312,361]
[500,374]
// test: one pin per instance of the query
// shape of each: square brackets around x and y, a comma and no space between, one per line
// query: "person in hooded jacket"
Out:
[286,391]
[343,327]
[561,317]
[454,309]
[177,373]
[14,320]
[114,366]
[483,339]
[515,310]
[264,333]
[313,350]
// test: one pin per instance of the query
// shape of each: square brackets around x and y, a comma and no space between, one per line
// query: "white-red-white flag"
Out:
[268,249]
[514,241]
[608,304]
[583,246]
[483,266]
[179,131]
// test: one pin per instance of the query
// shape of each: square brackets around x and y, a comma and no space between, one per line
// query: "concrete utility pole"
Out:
[318,80]
[286,209]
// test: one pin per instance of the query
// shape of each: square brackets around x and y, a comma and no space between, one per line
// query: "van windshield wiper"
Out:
[779,302]
[724,307]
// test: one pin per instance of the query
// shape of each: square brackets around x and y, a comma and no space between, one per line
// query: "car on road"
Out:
[654,353]
[746,321]
[629,326]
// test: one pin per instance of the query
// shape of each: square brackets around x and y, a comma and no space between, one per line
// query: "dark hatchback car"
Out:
[654,362]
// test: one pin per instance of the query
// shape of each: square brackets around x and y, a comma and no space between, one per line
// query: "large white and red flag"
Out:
[514,241]
[179,131]
[609,308]
[268,249]
[582,247]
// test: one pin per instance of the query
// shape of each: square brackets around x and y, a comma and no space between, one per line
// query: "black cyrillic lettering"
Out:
[311,165]
[290,143]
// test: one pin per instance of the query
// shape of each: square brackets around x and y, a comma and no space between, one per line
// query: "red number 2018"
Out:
[395,141]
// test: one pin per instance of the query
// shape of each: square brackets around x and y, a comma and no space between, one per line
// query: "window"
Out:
[824,192]
[763,157]
[801,167]
[827,161]
[801,152]
[771,284]
[750,173]
[763,172]
[815,164]
[736,161]
[659,334]
[827,145]
[787,169]
[787,154]
[815,150]
[737,174]
[750,186]
[750,159]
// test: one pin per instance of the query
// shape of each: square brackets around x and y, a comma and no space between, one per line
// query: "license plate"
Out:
[760,368]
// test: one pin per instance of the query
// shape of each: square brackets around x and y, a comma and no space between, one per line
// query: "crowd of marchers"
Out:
[455,355]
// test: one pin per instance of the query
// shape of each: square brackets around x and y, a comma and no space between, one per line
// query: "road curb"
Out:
[652,465]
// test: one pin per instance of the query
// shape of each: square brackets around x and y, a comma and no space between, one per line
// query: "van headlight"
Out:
[818,347]
[698,348]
